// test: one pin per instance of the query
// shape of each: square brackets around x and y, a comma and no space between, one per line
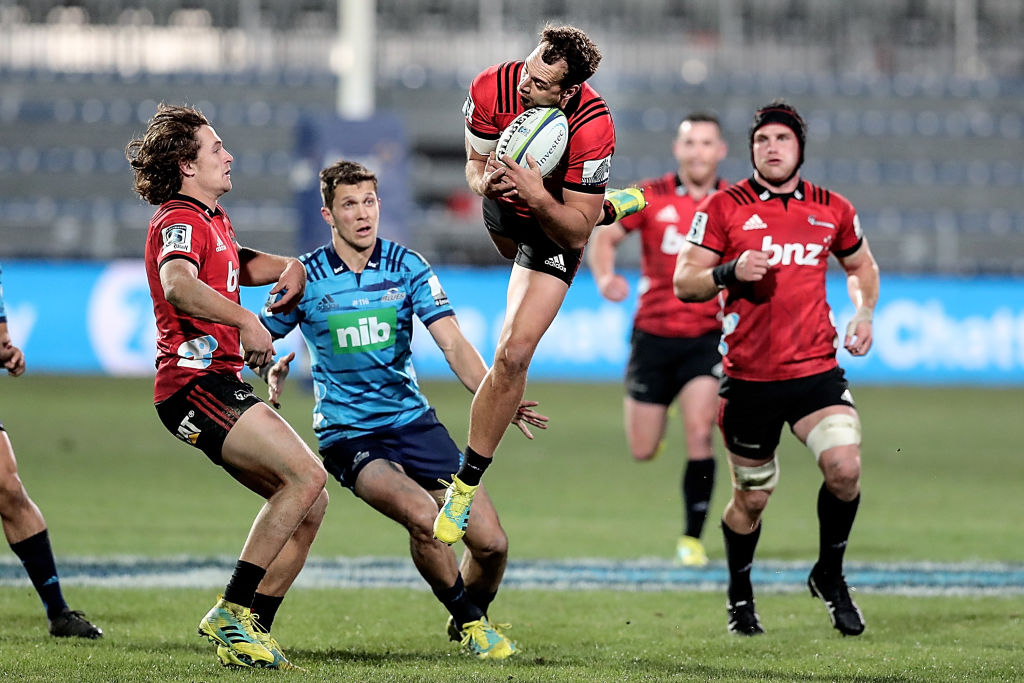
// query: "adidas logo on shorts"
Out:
[556,261]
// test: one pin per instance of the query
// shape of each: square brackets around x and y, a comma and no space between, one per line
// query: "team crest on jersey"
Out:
[437,291]
[821,224]
[177,237]
[598,171]
[697,226]
[393,294]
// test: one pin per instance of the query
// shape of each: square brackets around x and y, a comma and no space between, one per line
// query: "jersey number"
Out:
[197,353]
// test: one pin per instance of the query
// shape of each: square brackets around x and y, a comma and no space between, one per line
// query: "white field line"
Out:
[919,578]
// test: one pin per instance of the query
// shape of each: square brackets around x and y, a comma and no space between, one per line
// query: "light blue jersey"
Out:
[358,328]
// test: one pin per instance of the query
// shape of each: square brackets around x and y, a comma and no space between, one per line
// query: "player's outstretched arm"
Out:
[274,374]
[287,273]
[863,284]
[600,256]
[469,366]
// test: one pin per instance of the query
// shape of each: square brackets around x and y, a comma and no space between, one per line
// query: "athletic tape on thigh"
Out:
[832,431]
[761,478]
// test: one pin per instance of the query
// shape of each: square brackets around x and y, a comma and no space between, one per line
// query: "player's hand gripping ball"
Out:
[541,132]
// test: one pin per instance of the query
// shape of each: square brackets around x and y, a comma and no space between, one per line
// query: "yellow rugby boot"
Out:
[231,628]
[485,641]
[690,552]
[453,517]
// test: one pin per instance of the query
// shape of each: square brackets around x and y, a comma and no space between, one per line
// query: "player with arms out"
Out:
[766,241]
[540,223]
[378,435]
[24,526]
[674,346]
[204,337]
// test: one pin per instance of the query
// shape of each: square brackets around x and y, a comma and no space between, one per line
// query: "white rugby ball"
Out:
[541,132]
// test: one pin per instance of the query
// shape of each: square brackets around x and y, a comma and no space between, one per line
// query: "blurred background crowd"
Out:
[915,109]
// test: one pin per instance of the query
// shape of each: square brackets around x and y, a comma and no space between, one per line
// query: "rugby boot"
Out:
[690,552]
[743,619]
[483,640]
[846,617]
[280,661]
[231,628]
[452,518]
[71,622]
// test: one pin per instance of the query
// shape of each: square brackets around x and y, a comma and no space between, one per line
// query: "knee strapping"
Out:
[832,431]
[760,478]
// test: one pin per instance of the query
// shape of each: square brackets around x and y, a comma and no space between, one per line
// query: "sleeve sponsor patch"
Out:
[697,226]
[468,107]
[856,226]
[437,291]
[177,237]
[597,172]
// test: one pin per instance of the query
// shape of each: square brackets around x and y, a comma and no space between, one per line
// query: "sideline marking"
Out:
[910,578]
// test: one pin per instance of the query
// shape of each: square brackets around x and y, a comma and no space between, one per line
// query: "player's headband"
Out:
[787,117]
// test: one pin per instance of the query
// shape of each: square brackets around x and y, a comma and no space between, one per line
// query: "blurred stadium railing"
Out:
[916,108]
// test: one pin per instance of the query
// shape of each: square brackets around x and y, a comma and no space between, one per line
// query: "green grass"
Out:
[942,473]
[397,635]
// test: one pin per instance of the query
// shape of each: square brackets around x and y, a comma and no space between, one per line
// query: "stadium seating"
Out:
[929,157]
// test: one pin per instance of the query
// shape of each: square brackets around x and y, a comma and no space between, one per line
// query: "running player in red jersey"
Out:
[204,336]
[541,223]
[674,346]
[766,242]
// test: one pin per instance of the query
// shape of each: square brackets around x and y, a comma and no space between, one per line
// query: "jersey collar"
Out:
[192,200]
[338,266]
[764,194]
[681,190]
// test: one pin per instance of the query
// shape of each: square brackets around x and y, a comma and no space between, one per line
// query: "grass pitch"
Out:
[941,483]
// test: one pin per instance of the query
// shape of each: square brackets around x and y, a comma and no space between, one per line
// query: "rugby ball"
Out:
[541,132]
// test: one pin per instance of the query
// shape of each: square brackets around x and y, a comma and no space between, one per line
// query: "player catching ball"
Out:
[540,223]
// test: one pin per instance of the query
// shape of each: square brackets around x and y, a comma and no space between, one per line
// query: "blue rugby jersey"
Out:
[358,328]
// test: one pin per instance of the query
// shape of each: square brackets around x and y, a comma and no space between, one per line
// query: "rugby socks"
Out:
[481,600]
[265,607]
[739,554]
[241,589]
[473,466]
[457,602]
[37,558]
[835,520]
[698,481]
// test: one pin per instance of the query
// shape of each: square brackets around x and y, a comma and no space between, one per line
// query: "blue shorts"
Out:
[422,447]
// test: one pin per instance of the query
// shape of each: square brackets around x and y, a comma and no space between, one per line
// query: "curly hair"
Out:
[169,140]
[575,47]
[343,173]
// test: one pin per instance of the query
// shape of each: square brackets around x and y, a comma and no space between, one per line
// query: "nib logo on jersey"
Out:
[362,330]
[791,253]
